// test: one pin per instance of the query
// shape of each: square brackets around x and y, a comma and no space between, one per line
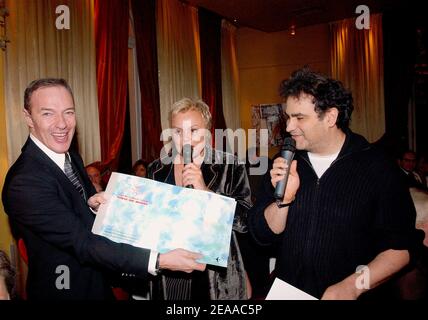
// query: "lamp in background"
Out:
[3,14]
[293,30]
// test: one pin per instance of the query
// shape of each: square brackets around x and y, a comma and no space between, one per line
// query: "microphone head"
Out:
[289,144]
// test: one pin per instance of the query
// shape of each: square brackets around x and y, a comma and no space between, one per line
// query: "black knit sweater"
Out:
[357,209]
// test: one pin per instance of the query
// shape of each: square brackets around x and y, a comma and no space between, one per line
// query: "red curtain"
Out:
[144,13]
[111,38]
[210,43]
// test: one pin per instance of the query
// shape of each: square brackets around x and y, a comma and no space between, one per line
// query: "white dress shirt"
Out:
[58,158]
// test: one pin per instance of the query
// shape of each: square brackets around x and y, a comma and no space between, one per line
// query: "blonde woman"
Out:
[212,171]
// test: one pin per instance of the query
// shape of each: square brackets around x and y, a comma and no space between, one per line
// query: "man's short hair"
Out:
[403,153]
[326,92]
[44,83]
[7,272]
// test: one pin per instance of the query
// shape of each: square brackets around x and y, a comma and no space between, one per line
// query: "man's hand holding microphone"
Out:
[285,180]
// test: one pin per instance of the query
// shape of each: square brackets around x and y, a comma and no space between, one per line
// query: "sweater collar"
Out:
[353,143]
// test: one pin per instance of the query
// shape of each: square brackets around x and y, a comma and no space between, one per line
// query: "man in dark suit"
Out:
[407,163]
[51,202]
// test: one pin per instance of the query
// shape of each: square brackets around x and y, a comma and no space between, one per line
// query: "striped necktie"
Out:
[72,176]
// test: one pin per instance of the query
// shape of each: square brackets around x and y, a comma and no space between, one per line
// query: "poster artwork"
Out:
[271,117]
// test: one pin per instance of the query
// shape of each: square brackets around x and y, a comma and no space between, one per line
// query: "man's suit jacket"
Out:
[413,180]
[47,211]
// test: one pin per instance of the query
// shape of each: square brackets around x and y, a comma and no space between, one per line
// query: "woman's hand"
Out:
[192,175]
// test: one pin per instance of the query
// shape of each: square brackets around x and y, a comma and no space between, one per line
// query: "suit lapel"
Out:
[31,150]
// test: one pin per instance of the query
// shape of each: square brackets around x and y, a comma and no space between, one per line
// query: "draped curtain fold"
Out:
[229,76]
[178,54]
[211,71]
[37,49]
[357,60]
[144,13]
[6,238]
[111,38]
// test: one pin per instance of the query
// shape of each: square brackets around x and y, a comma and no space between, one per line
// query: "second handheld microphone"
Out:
[287,152]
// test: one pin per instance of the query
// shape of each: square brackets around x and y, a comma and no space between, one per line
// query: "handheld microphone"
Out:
[287,152]
[187,158]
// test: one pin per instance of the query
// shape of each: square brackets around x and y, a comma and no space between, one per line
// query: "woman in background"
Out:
[94,175]
[139,168]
